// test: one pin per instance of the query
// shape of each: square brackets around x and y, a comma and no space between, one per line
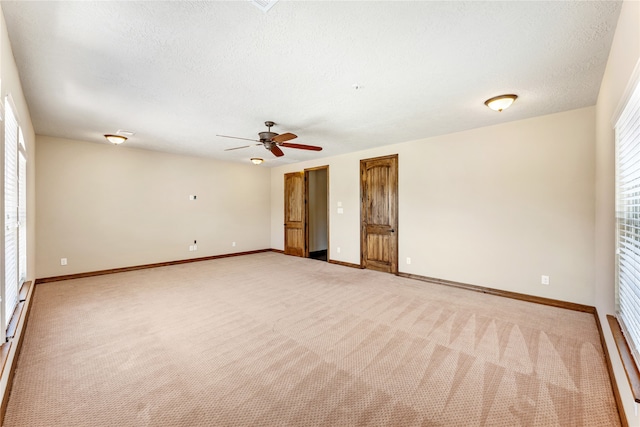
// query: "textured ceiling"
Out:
[178,73]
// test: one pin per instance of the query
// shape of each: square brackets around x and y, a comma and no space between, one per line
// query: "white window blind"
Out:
[22,214]
[627,131]
[11,133]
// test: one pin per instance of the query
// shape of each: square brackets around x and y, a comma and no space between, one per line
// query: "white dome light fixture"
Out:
[115,139]
[256,160]
[502,102]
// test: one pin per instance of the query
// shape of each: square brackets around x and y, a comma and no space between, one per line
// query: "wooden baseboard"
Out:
[345,264]
[22,315]
[280,251]
[506,294]
[145,266]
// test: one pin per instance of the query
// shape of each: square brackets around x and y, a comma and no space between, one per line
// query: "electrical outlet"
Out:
[338,249]
[195,247]
[191,248]
[63,261]
[233,243]
[544,280]
[408,260]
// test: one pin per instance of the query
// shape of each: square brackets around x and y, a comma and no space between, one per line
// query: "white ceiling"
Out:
[178,73]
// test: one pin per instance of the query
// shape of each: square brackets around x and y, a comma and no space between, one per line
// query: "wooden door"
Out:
[294,214]
[379,213]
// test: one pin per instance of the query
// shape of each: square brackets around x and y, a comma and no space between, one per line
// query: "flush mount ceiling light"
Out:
[115,139]
[499,103]
[256,160]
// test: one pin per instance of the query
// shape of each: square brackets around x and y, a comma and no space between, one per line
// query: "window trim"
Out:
[629,362]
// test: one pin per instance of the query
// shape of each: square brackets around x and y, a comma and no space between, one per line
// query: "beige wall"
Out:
[10,85]
[623,58]
[497,206]
[103,206]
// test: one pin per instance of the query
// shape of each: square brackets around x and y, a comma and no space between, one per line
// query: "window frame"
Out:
[628,349]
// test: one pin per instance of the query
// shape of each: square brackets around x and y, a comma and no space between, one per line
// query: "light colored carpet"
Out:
[273,340]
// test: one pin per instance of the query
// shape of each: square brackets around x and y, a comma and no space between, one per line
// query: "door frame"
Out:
[363,231]
[306,210]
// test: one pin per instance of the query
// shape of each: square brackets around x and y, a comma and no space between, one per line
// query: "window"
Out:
[15,213]
[22,214]
[627,131]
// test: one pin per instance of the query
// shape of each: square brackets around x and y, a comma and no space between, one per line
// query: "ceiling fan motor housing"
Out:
[267,136]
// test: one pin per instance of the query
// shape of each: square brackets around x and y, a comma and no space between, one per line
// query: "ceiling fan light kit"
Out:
[256,160]
[502,102]
[273,141]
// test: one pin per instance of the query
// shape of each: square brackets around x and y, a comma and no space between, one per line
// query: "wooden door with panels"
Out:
[379,213]
[294,214]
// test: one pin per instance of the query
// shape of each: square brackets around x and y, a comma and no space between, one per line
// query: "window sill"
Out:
[13,323]
[630,367]
[10,350]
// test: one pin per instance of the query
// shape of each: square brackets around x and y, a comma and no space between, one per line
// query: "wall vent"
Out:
[264,5]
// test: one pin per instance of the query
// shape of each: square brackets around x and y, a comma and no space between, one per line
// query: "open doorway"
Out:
[317,191]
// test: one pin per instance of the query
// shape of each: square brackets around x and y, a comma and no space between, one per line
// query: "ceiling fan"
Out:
[273,141]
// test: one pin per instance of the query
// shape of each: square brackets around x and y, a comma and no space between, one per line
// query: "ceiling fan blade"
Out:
[284,137]
[301,146]
[276,151]
[235,137]
[237,148]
